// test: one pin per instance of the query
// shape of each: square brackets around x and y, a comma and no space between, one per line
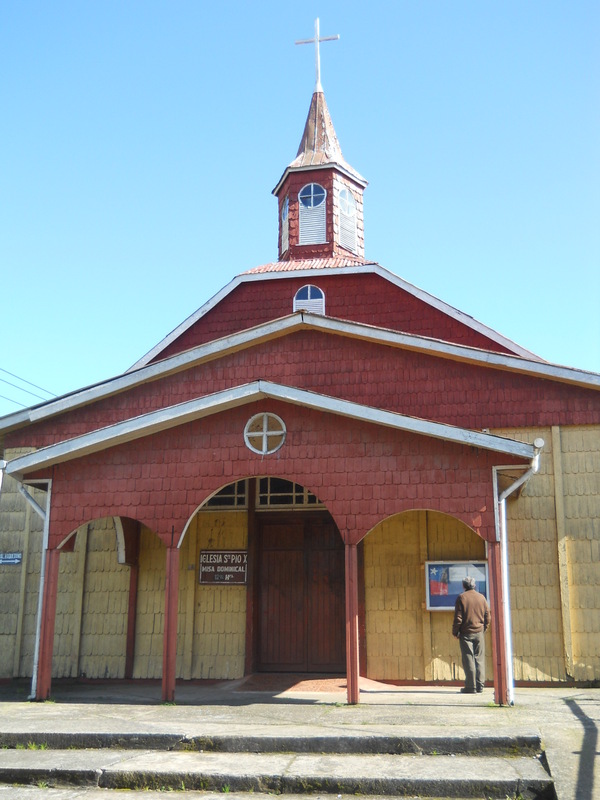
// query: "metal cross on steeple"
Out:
[316,40]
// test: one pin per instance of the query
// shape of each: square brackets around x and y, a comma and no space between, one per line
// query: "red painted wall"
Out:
[362,472]
[365,298]
[410,383]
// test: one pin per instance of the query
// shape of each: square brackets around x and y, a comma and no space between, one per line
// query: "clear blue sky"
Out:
[140,142]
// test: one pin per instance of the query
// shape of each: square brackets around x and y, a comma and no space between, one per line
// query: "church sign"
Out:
[223,566]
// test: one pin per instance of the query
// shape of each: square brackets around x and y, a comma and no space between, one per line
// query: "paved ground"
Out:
[566,719]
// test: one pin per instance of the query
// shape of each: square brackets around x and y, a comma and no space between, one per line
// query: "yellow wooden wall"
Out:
[213,618]
[20,531]
[406,642]
[211,623]
[91,609]
[554,553]
[579,522]
[534,574]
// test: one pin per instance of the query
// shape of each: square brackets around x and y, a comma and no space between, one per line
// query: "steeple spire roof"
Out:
[319,146]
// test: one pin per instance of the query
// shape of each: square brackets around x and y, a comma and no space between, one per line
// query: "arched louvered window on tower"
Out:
[312,214]
[347,207]
[310,298]
[285,225]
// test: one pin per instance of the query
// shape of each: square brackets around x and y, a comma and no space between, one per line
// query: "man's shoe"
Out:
[480,689]
[464,690]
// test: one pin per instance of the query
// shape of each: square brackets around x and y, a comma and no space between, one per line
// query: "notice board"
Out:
[443,581]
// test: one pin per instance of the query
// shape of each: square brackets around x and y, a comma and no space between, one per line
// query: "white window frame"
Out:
[285,225]
[314,303]
[312,218]
[270,427]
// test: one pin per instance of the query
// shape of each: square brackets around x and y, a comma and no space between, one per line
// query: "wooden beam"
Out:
[426,615]
[362,610]
[79,583]
[498,629]
[252,582]
[44,671]
[170,628]
[352,649]
[190,579]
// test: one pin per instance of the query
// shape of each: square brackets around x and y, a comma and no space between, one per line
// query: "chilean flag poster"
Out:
[443,581]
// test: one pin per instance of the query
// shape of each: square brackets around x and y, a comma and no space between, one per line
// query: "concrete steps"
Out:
[294,764]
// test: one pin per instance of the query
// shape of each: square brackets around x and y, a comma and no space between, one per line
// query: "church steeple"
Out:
[320,195]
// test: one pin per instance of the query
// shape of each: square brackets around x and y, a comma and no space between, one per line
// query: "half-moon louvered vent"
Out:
[310,298]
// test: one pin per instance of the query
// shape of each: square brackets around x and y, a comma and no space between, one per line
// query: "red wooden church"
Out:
[362,427]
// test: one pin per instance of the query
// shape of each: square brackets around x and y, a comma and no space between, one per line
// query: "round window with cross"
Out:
[264,433]
[312,195]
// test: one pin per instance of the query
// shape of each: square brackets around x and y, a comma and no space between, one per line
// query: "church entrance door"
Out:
[301,594]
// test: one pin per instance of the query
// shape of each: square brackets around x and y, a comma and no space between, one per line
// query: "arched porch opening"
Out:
[109,602]
[285,613]
[404,641]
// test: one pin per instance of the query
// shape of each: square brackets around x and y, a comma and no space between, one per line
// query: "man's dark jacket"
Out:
[471,613]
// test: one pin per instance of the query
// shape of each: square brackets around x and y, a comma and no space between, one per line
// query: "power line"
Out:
[10,400]
[41,388]
[20,388]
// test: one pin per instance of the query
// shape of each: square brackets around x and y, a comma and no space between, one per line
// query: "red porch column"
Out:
[352,659]
[498,628]
[170,631]
[44,666]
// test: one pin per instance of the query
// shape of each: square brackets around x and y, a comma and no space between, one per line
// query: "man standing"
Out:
[471,621]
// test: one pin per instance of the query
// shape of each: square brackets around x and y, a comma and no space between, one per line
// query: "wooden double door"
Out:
[301,594]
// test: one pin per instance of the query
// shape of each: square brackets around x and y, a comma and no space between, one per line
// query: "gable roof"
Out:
[300,321]
[198,408]
[329,266]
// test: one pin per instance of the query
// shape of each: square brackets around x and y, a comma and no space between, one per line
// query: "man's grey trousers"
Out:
[472,648]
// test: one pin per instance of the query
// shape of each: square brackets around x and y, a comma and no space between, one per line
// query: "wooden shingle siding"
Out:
[219,624]
[20,531]
[554,555]
[581,477]
[150,607]
[534,575]
[105,598]
[400,631]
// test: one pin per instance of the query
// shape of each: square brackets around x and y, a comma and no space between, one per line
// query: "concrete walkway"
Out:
[566,719]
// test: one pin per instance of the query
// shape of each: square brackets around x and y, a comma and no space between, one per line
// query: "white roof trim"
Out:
[372,267]
[281,327]
[173,416]
[349,173]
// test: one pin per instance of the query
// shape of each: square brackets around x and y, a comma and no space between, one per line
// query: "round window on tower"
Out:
[285,209]
[312,195]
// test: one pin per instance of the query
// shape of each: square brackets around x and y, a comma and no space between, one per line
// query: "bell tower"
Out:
[320,196]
